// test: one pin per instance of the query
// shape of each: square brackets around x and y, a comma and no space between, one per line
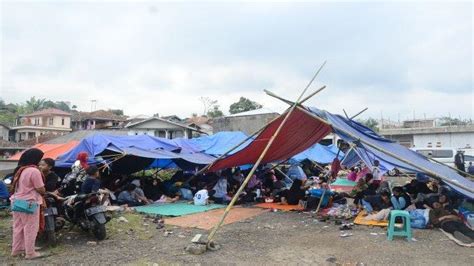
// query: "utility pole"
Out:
[93,105]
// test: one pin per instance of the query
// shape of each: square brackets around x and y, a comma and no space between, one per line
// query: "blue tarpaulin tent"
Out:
[318,153]
[140,146]
[391,153]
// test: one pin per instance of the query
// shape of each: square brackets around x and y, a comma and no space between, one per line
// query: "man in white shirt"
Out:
[377,173]
[201,197]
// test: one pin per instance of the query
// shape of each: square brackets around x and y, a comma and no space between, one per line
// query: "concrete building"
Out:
[159,127]
[247,122]
[46,121]
[100,119]
[446,136]
[4,132]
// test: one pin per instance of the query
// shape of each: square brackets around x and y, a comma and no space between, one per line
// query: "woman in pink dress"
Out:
[28,184]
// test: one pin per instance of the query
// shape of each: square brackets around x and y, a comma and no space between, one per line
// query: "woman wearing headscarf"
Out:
[28,185]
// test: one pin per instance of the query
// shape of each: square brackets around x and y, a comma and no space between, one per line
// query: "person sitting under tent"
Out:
[279,188]
[450,223]
[358,192]
[352,176]
[201,197]
[153,191]
[138,193]
[219,194]
[296,172]
[400,200]
[126,197]
[377,203]
[418,185]
[92,182]
[296,193]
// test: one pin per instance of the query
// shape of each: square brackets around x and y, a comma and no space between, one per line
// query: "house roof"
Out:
[5,126]
[198,120]
[163,120]
[48,111]
[98,115]
[82,134]
[260,111]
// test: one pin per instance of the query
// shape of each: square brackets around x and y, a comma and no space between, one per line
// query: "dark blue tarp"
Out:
[141,146]
[318,153]
[353,132]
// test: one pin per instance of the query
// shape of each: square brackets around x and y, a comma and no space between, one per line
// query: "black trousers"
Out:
[453,226]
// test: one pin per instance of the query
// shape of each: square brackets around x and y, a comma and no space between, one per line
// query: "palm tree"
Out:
[34,104]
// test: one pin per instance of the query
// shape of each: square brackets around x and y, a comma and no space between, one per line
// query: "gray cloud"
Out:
[161,57]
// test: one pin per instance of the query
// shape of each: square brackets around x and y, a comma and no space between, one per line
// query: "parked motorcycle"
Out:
[87,211]
[53,222]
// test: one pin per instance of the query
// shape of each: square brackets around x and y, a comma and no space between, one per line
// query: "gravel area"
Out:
[270,238]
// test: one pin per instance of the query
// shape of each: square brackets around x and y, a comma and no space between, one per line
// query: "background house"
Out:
[4,132]
[47,121]
[159,127]
[99,119]
[247,122]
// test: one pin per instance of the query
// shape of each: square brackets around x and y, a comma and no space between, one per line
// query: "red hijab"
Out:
[82,157]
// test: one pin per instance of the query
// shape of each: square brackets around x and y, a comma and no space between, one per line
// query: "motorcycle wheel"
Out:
[99,231]
[51,238]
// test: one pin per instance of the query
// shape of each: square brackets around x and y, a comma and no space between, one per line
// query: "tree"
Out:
[62,106]
[243,105]
[33,104]
[215,112]
[116,111]
[208,103]
[370,123]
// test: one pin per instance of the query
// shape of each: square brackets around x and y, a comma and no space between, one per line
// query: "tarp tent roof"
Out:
[318,153]
[299,133]
[140,146]
[52,151]
[391,153]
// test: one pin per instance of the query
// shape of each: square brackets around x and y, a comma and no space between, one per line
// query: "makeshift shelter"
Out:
[52,151]
[318,153]
[306,126]
[134,152]
[300,133]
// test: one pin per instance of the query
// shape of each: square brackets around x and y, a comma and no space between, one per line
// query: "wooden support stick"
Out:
[257,163]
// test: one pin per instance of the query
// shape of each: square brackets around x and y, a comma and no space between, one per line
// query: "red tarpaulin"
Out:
[299,133]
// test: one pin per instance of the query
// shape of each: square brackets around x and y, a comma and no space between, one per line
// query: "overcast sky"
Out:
[397,59]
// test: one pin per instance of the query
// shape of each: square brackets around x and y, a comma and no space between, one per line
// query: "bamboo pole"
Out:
[257,163]
[290,102]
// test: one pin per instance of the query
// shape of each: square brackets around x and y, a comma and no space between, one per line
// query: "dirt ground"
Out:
[270,238]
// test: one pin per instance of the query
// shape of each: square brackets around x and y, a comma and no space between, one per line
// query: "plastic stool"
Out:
[393,231]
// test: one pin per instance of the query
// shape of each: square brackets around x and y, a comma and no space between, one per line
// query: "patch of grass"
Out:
[134,227]
[6,239]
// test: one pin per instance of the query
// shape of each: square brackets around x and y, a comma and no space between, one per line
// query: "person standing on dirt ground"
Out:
[28,185]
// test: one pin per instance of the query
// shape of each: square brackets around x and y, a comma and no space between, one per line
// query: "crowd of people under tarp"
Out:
[429,203]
